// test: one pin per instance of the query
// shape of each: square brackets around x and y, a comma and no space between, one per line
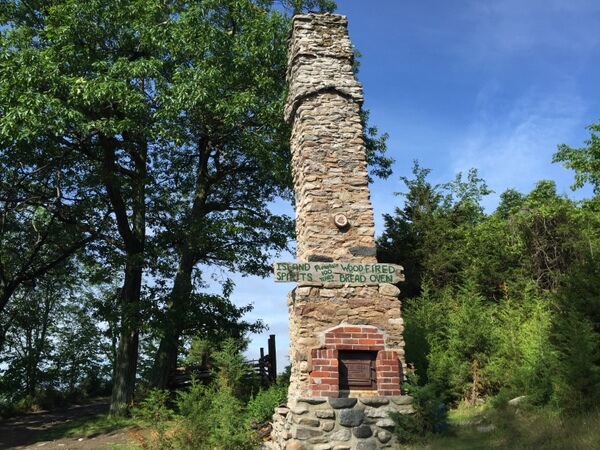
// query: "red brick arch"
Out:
[324,377]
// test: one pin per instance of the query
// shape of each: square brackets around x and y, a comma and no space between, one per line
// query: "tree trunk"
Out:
[125,370]
[165,359]
[127,351]
[131,225]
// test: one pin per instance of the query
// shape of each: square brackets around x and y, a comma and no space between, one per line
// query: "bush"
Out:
[260,408]
[429,416]
[154,411]
[214,417]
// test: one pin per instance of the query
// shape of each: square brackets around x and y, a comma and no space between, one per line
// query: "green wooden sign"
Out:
[340,273]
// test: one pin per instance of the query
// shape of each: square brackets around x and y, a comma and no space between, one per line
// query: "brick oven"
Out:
[354,361]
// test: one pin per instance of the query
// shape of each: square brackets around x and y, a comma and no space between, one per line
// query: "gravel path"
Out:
[24,432]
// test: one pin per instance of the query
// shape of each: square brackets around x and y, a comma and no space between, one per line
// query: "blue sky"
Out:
[489,84]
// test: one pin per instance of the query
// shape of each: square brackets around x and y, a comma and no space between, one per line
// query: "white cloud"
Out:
[507,28]
[512,142]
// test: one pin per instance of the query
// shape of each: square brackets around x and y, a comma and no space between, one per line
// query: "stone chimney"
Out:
[329,164]
[346,346]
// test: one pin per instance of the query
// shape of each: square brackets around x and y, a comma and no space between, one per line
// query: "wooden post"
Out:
[272,359]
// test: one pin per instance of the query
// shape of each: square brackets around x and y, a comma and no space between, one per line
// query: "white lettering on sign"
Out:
[344,273]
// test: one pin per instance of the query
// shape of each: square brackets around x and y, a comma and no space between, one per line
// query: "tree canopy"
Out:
[143,142]
[500,303]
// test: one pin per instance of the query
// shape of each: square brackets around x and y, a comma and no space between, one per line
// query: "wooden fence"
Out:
[264,368]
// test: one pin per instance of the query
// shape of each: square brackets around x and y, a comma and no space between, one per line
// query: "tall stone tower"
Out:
[346,346]
[329,164]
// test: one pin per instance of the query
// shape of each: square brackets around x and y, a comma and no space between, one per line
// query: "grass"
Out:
[535,429]
[478,428]
[86,427]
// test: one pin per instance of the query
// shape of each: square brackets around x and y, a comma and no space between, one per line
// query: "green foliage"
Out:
[260,407]
[524,358]
[504,302]
[429,415]
[576,375]
[462,344]
[215,416]
[302,6]
[154,412]
[231,367]
[430,235]
[146,138]
[584,161]
[53,346]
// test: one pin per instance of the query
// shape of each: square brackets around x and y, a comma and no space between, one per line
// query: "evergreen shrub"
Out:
[428,418]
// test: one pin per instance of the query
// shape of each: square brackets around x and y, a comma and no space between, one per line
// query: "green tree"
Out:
[28,339]
[550,227]
[462,344]
[406,232]
[87,107]
[576,329]
[53,341]
[233,162]
[42,225]
[77,365]
[169,114]
[429,235]
[165,118]
[584,161]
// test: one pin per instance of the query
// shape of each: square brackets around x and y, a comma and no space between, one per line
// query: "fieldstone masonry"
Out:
[346,346]
[328,154]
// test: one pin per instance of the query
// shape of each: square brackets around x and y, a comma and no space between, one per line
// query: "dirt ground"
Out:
[24,432]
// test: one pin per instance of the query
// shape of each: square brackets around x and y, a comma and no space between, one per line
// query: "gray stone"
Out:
[369,444]
[339,403]
[299,410]
[389,290]
[351,417]
[486,428]
[318,440]
[325,414]
[402,400]
[308,421]
[405,409]
[382,412]
[322,447]
[516,401]
[385,423]
[341,447]
[312,400]
[328,425]
[364,431]
[303,291]
[384,436]
[282,411]
[374,401]
[341,435]
[319,258]
[363,251]
[303,433]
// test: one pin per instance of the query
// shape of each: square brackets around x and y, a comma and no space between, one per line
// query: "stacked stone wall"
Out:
[338,423]
[330,178]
